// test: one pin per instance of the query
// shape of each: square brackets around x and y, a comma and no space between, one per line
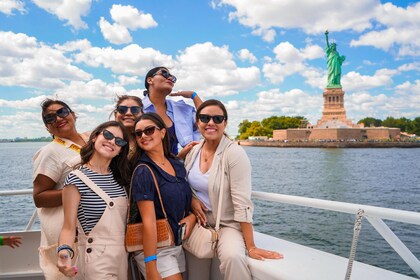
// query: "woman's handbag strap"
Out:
[219,206]
[157,188]
[82,176]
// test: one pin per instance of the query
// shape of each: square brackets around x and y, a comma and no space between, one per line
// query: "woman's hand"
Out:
[64,264]
[199,210]
[12,241]
[261,254]
[183,153]
[189,221]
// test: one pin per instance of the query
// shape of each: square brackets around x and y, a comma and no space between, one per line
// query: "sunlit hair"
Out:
[157,120]
[47,103]
[119,164]
[150,74]
[124,97]
[211,102]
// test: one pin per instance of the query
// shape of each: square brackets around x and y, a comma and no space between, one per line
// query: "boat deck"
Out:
[300,262]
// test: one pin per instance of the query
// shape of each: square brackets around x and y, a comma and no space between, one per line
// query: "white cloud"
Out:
[131,17]
[211,70]
[126,80]
[27,63]
[8,6]
[115,33]
[333,15]
[245,54]
[70,11]
[398,27]
[132,59]
[125,18]
[290,60]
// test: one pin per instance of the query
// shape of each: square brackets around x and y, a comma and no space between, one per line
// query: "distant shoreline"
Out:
[313,144]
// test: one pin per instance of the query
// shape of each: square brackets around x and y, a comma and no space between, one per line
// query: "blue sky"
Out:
[261,58]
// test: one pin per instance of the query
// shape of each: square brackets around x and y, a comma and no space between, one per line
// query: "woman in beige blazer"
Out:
[204,164]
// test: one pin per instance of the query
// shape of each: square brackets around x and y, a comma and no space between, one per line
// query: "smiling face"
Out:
[152,142]
[128,118]
[62,126]
[107,148]
[212,131]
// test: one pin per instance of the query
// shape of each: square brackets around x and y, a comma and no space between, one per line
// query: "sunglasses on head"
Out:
[52,118]
[217,119]
[118,140]
[165,73]
[135,110]
[147,131]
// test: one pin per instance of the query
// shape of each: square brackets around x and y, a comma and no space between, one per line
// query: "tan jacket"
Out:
[236,206]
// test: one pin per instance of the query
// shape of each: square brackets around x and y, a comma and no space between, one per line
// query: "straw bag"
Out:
[134,232]
[202,242]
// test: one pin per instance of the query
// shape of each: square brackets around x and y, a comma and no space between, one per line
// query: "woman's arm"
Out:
[148,216]
[71,200]
[253,251]
[190,221]
[189,94]
[44,193]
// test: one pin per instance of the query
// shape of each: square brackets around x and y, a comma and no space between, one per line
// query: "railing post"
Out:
[31,221]
[396,243]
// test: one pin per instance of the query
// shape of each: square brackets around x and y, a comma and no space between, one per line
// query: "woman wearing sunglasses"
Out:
[51,165]
[95,201]
[204,168]
[127,110]
[153,141]
[177,115]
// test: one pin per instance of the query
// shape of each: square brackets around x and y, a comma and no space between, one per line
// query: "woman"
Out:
[203,165]
[153,142]
[127,110]
[97,209]
[177,115]
[51,165]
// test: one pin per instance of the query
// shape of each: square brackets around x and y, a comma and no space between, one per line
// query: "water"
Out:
[379,177]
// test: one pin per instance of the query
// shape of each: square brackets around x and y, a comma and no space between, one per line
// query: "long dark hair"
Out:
[119,164]
[157,120]
[47,103]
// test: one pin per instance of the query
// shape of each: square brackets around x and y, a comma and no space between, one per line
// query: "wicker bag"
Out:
[134,232]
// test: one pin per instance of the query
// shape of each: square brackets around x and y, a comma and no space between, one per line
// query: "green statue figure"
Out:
[334,62]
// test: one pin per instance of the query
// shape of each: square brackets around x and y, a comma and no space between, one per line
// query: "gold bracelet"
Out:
[252,249]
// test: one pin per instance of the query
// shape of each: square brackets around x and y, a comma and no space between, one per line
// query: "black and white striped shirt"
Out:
[91,205]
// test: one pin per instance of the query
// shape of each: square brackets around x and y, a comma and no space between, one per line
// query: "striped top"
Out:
[91,205]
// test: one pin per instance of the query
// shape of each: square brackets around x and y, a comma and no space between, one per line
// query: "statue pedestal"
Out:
[334,114]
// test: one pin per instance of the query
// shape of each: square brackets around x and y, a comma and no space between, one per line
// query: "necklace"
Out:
[207,156]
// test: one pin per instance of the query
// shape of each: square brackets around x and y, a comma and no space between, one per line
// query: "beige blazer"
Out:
[236,205]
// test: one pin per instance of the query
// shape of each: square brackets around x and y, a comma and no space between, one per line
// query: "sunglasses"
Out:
[118,140]
[135,110]
[217,119]
[165,73]
[147,131]
[52,118]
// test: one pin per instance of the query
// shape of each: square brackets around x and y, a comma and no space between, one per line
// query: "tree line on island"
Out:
[266,126]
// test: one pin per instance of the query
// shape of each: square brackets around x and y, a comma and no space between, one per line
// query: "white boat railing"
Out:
[373,214]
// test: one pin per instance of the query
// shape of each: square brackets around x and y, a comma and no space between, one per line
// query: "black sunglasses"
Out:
[165,73]
[217,119]
[118,140]
[135,110]
[52,118]
[147,131]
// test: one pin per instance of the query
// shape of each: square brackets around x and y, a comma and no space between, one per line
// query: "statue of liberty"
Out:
[334,62]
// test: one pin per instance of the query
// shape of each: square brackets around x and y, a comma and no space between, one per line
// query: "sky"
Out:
[260,58]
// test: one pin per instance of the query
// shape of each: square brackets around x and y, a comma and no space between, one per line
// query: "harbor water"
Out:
[379,177]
